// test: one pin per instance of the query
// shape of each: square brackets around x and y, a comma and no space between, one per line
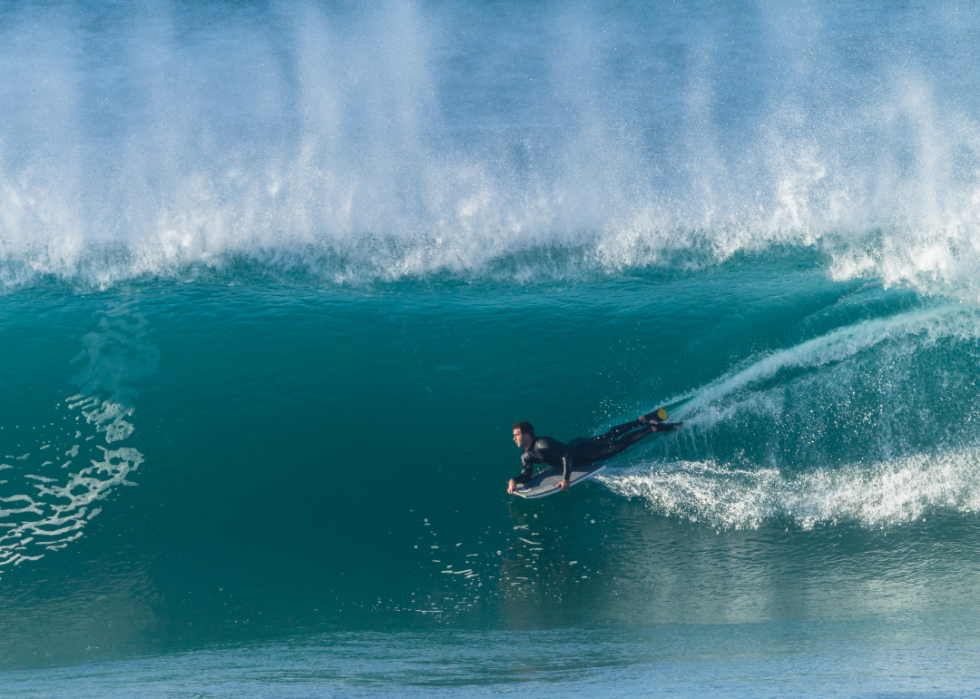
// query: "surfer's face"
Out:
[521,439]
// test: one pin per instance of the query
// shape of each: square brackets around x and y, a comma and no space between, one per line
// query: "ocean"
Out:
[277,278]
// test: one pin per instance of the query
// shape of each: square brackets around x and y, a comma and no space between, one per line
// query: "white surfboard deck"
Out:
[546,482]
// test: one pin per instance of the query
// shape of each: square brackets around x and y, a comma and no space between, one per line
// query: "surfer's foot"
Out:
[654,418]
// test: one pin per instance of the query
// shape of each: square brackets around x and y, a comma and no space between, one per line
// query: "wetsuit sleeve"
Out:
[566,464]
[565,455]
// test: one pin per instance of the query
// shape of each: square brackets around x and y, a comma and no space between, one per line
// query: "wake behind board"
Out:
[546,482]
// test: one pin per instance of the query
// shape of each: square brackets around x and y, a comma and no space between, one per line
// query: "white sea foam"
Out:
[63,510]
[55,511]
[885,493]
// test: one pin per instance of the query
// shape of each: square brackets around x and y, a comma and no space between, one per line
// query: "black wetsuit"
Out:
[546,450]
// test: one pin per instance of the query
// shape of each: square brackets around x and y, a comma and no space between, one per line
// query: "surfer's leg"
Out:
[618,431]
[633,437]
[589,451]
[605,446]
[653,418]
[609,449]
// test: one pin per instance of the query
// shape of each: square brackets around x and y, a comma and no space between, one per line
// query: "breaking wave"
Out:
[337,147]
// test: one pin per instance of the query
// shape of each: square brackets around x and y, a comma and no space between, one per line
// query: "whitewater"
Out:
[277,278]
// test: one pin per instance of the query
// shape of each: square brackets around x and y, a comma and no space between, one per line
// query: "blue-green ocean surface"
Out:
[278,277]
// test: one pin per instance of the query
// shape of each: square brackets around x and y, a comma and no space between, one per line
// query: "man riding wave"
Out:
[581,451]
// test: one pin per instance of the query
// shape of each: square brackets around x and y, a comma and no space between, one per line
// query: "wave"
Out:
[869,423]
[354,148]
[935,267]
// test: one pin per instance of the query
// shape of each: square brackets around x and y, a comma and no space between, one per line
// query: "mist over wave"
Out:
[351,145]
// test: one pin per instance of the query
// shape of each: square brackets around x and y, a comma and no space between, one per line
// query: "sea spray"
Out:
[354,147]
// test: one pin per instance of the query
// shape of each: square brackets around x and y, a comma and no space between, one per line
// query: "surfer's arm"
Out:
[563,454]
[566,465]
[527,470]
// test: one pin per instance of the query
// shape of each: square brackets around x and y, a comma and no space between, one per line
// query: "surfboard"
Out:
[546,482]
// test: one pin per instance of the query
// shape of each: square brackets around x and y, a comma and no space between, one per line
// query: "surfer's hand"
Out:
[563,485]
[510,487]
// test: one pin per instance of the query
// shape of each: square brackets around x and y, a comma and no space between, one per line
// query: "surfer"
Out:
[584,450]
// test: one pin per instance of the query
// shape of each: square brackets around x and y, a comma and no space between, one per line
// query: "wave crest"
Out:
[354,148]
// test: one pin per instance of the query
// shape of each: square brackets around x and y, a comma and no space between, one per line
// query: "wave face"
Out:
[278,278]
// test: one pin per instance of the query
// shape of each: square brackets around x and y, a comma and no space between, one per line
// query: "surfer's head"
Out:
[523,434]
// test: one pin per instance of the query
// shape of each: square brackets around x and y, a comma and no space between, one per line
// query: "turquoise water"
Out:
[277,279]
